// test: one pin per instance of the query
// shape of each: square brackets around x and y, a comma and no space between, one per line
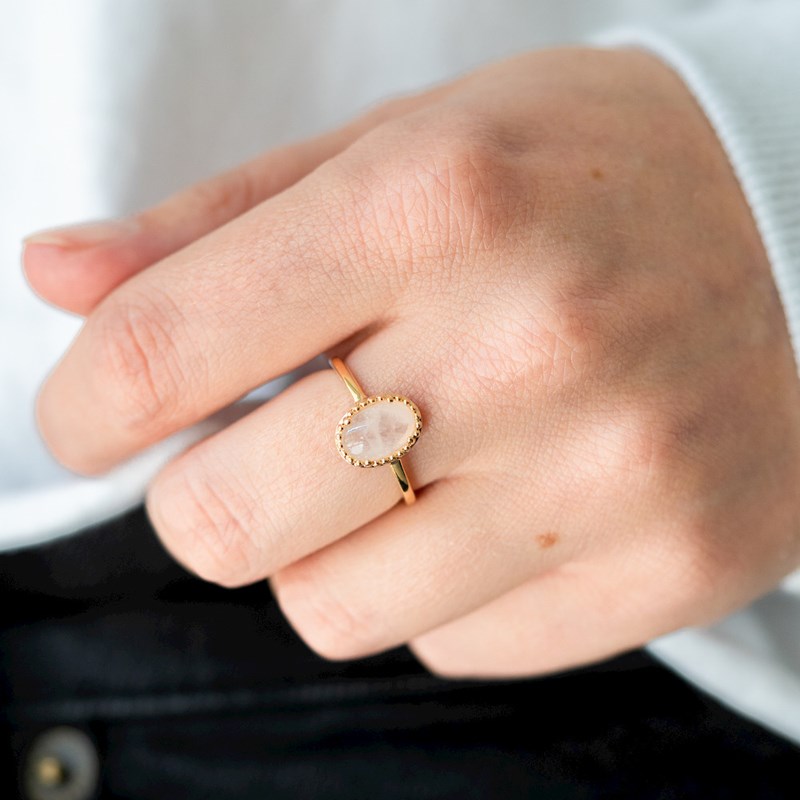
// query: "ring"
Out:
[378,429]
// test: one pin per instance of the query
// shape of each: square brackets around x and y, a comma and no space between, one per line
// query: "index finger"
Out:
[254,299]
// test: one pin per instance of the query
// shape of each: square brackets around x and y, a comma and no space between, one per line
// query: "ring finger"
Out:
[272,488]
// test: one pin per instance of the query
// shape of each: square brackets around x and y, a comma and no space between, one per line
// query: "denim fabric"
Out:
[188,690]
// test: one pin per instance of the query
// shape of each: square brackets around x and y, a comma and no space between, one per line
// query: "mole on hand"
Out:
[545,540]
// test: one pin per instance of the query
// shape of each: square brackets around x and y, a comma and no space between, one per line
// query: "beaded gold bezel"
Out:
[397,454]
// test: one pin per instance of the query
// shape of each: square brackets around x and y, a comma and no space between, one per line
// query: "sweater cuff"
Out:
[742,63]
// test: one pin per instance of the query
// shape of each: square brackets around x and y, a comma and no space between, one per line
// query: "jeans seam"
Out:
[191,702]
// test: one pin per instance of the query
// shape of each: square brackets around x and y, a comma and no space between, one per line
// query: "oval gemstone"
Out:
[378,430]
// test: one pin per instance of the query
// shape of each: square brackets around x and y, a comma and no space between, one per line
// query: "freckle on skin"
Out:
[597,174]
[545,540]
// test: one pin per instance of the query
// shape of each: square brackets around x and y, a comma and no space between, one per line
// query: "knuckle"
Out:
[517,347]
[583,320]
[661,440]
[689,562]
[634,447]
[545,342]
[448,191]
[555,332]
[330,624]
[208,524]
[559,347]
[705,566]
[460,190]
[714,557]
[132,354]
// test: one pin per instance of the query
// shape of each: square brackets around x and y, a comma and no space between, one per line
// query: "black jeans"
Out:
[188,690]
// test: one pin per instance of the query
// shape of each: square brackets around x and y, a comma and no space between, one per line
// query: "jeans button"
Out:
[61,764]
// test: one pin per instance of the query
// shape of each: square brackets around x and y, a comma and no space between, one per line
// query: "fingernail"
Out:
[86,234]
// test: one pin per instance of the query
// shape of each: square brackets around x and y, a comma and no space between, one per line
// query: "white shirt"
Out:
[109,105]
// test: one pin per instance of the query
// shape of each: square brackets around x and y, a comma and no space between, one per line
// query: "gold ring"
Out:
[378,429]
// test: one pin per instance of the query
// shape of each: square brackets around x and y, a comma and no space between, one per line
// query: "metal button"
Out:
[61,764]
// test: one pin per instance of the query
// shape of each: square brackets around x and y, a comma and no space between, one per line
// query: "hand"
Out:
[553,259]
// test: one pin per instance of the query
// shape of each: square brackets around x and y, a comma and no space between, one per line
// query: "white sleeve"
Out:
[741,60]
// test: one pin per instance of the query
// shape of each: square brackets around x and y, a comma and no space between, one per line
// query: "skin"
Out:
[553,258]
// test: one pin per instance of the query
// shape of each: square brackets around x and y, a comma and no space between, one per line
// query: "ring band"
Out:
[378,429]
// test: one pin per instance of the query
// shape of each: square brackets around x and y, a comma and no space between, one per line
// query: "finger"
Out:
[577,614]
[323,262]
[272,488]
[413,569]
[551,622]
[77,266]
[249,302]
